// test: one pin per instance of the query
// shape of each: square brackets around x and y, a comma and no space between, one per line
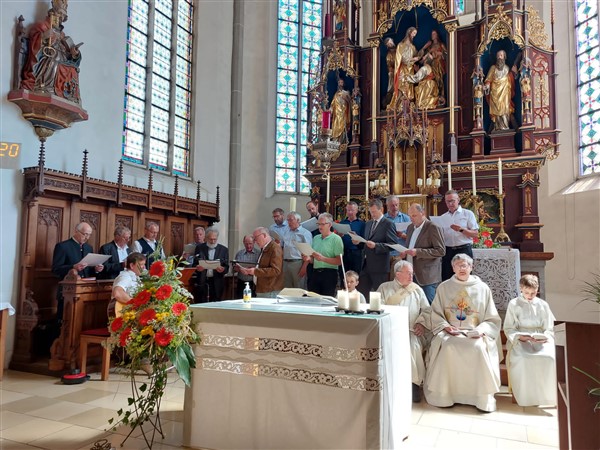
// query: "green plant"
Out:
[592,289]
[594,391]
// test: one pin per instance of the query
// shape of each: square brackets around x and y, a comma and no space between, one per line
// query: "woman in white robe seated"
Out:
[463,360]
[531,359]
[404,292]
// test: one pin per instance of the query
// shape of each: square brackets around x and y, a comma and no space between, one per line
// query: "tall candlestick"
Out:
[424,164]
[449,177]
[473,177]
[367,186]
[348,188]
[328,186]
[500,175]
[292,204]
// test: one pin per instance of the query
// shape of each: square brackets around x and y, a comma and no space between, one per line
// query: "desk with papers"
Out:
[290,375]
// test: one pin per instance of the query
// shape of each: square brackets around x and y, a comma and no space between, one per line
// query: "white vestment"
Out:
[461,369]
[413,297]
[531,366]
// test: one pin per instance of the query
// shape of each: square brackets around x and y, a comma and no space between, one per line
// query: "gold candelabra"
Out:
[379,187]
[501,236]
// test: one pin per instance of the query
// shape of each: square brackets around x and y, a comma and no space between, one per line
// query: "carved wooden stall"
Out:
[418,116]
[53,203]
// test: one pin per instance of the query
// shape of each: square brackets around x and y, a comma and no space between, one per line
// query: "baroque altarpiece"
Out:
[438,99]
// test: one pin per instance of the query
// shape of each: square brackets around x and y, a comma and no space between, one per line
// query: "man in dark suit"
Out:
[379,231]
[210,283]
[67,255]
[118,250]
[425,241]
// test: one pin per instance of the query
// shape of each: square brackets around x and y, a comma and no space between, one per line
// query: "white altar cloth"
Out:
[275,376]
[500,269]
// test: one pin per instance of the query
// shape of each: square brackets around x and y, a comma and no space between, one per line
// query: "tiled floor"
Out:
[40,412]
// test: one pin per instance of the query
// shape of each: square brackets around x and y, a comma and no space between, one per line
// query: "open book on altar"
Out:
[297,294]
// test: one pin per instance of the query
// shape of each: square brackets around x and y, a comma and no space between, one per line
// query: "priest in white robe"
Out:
[404,292]
[463,363]
[531,359]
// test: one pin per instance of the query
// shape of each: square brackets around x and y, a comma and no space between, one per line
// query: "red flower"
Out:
[485,234]
[488,243]
[116,324]
[157,269]
[163,292]
[142,298]
[178,308]
[163,337]
[475,240]
[147,316]
[124,336]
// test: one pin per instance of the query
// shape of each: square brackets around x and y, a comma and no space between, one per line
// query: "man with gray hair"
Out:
[294,268]
[146,245]
[210,283]
[118,250]
[268,273]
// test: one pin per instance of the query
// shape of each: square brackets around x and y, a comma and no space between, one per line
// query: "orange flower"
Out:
[164,292]
[157,269]
[163,337]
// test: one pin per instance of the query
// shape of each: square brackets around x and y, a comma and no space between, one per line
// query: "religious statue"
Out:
[339,11]
[356,99]
[340,108]
[426,91]
[499,88]
[436,48]
[390,61]
[406,56]
[477,78]
[525,82]
[52,61]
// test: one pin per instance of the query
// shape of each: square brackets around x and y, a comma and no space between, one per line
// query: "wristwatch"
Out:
[461,230]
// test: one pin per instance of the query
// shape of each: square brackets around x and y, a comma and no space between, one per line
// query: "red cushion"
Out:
[97,332]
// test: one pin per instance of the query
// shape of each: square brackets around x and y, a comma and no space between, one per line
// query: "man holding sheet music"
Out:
[246,257]
[460,227]
[379,232]
[268,274]
[212,263]
[294,268]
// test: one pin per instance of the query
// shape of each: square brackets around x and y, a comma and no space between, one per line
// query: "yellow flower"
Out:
[148,331]
[152,290]
[128,316]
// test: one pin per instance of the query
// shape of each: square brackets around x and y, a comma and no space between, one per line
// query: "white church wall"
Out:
[570,221]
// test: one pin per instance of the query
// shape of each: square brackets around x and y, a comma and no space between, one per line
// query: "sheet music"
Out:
[397,247]
[305,248]
[356,237]
[342,228]
[94,259]
[310,224]
[209,264]
[402,226]
[441,221]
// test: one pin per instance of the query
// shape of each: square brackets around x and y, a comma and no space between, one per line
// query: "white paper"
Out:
[275,235]
[94,259]
[212,264]
[310,224]
[190,249]
[356,237]
[304,248]
[402,226]
[342,228]
[441,221]
[397,247]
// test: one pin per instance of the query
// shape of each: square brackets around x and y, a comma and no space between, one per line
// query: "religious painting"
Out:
[487,207]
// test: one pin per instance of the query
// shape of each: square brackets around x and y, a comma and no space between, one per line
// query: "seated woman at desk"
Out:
[531,360]
[126,283]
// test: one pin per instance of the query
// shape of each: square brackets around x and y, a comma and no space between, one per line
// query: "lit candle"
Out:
[292,204]
[473,177]
[500,175]
[342,298]
[328,186]
[374,301]
[354,301]
[348,188]
[449,176]
[419,181]
[367,185]
[437,182]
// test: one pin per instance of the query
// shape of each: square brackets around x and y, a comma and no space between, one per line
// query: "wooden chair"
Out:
[97,336]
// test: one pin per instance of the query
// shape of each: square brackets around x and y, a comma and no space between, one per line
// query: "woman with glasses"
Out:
[327,256]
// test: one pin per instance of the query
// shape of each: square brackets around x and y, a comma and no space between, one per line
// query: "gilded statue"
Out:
[406,56]
[340,107]
[426,91]
[390,62]
[52,61]
[339,12]
[438,51]
[499,88]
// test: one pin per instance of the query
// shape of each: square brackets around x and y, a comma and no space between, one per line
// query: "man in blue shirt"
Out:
[352,253]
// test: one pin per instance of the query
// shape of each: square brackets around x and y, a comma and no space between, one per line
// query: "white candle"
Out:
[428,181]
[383,182]
[437,182]
[500,175]
[292,204]
[376,182]
[348,187]
[374,301]
[367,185]
[473,177]
[419,181]
[328,186]
[342,297]
[354,301]
[449,176]
[424,164]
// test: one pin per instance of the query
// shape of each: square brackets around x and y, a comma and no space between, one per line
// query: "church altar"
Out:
[275,375]
[501,270]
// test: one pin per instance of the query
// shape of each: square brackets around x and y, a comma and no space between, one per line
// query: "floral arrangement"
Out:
[154,329]
[484,240]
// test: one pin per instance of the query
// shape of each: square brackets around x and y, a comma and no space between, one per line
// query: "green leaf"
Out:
[191,357]
[179,359]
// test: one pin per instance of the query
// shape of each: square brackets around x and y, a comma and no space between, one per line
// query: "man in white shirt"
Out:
[118,250]
[458,237]
[294,267]
[146,245]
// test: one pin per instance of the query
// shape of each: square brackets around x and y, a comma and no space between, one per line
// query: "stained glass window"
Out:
[299,40]
[157,113]
[588,84]
[459,7]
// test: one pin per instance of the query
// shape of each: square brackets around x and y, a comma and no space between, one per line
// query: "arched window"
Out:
[588,84]
[158,85]
[298,44]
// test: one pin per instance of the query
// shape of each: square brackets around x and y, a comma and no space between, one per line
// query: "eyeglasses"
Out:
[319,223]
[85,234]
